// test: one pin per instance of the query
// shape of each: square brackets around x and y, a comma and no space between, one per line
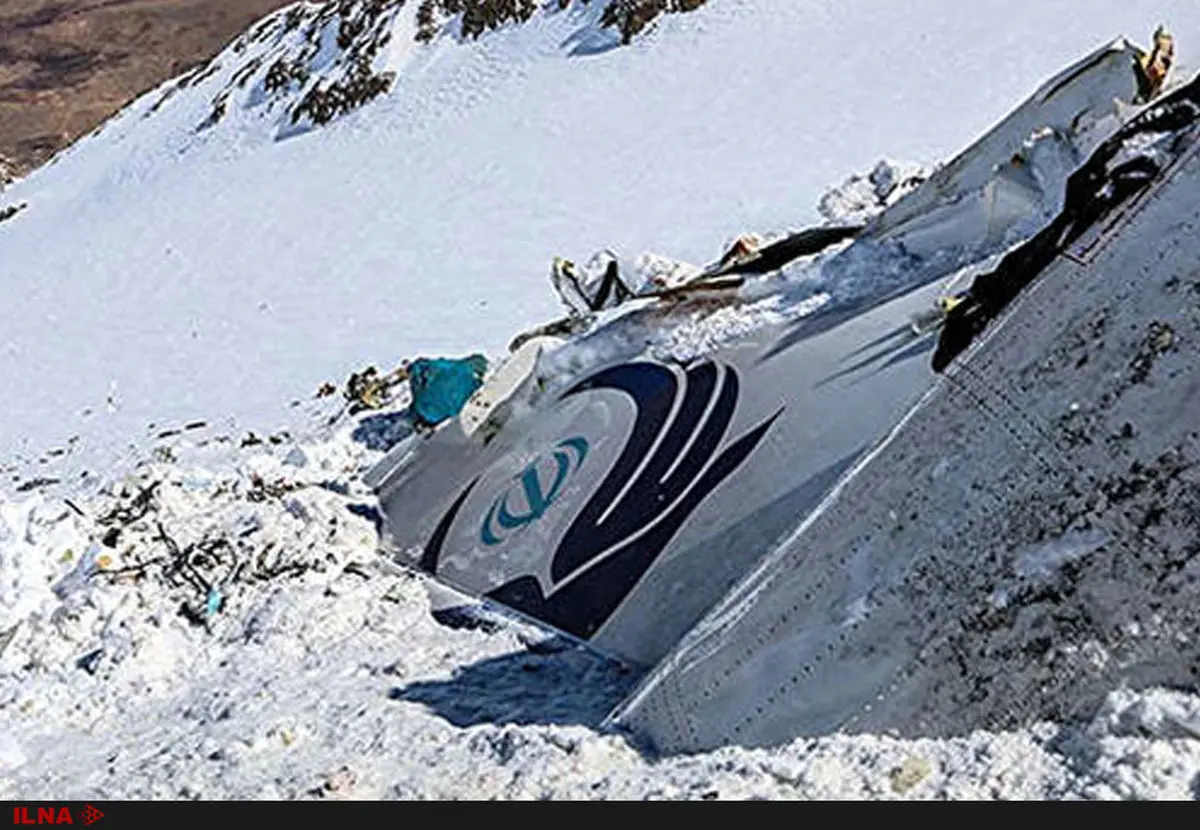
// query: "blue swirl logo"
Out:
[540,484]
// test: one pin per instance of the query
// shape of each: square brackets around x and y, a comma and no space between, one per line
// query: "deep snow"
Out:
[168,274]
[162,276]
[323,675]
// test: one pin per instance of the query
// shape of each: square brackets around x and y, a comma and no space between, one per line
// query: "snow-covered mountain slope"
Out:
[217,623]
[222,628]
[165,271]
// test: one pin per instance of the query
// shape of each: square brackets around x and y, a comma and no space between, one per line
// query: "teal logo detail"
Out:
[540,484]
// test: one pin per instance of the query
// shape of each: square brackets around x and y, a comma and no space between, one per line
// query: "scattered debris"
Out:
[441,386]
[136,509]
[214,602]
[36,484]
[860,197]
[1154,66]
[341,780]
[370,390]
[742,249]
[909,774]
[594,287]
[466,618]
[90,661]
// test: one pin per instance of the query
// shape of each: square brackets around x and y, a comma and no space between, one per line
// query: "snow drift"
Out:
[190,610]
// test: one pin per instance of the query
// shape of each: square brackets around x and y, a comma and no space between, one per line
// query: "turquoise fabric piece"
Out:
[440,386]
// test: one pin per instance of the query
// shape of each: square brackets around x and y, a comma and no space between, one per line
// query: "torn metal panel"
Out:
[622,496]
[1021,543]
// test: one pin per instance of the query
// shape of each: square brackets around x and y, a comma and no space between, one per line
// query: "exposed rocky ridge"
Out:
[66,66]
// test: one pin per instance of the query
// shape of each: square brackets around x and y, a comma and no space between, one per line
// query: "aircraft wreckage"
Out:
[962,491]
